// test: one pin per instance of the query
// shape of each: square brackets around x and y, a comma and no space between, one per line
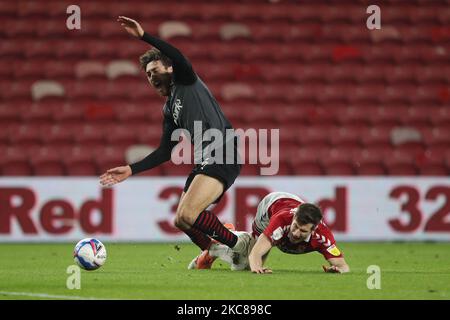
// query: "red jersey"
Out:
[280,214]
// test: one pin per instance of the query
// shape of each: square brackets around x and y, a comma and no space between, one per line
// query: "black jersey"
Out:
[190,106]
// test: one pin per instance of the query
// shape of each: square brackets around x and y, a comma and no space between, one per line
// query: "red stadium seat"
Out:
[315,135]
[155,172]
[171,169]
[440,117]
[307,169]
[309,13]
[214,12]
[121,136]
[304,32]
[148,134]
[376,136]
[437,136]
[15,162]
[347,136]
[109,157]
[400,163]
[339,169]
[434,170]
[402,170]
[370,169]
[284,169]
[69,114]
[430,74]
[25,135]
[79,161]
[70,49]
[306,161]
[91,135]
[46,162]
[356,115]
[78,168]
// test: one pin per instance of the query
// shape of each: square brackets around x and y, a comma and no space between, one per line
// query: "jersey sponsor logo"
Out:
[333,250]
[176,110]
[204,163]
[322,239]
[278,234]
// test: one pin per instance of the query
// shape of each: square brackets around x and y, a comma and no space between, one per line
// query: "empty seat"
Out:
[234,91]
[171,169]
[47,166]
[346,136]
[15,162]
[119,68]
[121,136]
[25,135]
[232,31]
[315,135]
[400,163]
[434,170]
[85,69]
[91,135]
[44,88]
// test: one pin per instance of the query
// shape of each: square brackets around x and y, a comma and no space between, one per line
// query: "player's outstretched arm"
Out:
[337,265]
[260,249]
[182,68]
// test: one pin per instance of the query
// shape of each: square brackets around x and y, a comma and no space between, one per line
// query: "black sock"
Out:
[208,223]
[199,238]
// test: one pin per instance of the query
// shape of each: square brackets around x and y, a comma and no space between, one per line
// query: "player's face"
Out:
[159,76]
[299,232]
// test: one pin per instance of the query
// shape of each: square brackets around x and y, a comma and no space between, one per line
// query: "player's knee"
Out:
[185,216]
[179,223]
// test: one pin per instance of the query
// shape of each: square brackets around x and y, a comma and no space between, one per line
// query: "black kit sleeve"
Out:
[161,154]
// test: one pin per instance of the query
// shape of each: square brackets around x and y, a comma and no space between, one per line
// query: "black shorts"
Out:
[225,173]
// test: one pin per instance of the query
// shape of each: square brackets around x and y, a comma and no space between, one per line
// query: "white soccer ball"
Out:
[89,254]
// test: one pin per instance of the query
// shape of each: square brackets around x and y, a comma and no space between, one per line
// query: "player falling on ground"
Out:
[188,100]
[287,222]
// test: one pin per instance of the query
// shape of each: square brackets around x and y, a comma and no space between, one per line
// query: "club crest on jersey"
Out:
[334,250]
[277,234]
[176,110]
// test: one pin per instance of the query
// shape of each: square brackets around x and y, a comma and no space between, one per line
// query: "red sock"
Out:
[208,223]
[199,238]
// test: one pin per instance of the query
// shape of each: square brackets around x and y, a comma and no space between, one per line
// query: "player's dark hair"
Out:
[308,213]
[154,55]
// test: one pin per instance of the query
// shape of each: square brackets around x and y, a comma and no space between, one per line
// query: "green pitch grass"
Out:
[159,271]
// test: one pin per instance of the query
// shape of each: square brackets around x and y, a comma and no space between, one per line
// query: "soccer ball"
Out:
[89,254]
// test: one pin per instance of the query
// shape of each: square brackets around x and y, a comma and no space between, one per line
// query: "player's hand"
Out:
[262,270]
[115,175]
[331,269]
[131,26]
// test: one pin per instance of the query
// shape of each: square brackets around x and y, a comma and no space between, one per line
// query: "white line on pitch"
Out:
[47,296]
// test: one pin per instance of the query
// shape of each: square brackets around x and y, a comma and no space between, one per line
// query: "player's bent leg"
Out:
[216,250]
[196,236]
[203,191]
